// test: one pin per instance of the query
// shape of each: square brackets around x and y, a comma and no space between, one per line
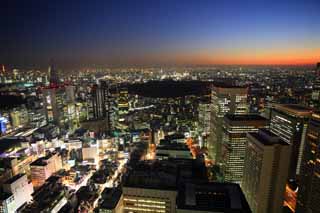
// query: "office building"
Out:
[21,189]
[309,185]
[44,167]
[265,171]
[150,189]
[204,118]
[225,99]
[290,123]
[234,142]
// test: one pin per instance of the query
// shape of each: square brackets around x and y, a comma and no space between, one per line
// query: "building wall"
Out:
[224,100]
[265,175]
[139,199]
[91,154]
[8,205]
[309,187]
[39,173]
[234,145]
[291,129]
[21,190]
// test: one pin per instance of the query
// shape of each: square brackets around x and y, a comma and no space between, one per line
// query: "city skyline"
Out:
[143,33]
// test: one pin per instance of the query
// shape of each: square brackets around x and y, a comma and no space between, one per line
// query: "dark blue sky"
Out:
[79,33]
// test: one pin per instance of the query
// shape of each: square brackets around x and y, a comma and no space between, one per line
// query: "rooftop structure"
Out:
[212,197]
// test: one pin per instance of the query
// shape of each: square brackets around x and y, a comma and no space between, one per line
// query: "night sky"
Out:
[80,33]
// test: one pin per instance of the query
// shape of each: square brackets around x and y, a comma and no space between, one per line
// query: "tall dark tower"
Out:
[309,189]
[101,103]
[316,87]
[53,75]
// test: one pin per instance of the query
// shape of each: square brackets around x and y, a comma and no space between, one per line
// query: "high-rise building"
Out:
[265,171]
[21,189]
[290,123]
[53,75]
[204,119]
[234,142]
[99,105]
[53,104]
[309,185]
[44,167]
[316,87]
[97,102]
[225,99]
[59,106]
[123,100]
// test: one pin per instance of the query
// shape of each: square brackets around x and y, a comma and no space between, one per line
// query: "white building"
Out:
[91,154]
[21,189]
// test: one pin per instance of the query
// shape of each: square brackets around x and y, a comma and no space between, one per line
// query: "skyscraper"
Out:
[265,171]
[225,99]
[316,86]
[290,122]
[234,142]
[309,188]
[53,75]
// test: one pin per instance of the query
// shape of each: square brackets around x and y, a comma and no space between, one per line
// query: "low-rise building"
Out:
[21,189]
[44,167]
[111,201]
[7,203]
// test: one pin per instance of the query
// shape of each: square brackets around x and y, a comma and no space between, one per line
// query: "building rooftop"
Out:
[295,109]
[212,197]
[152,175]
[47,196]
[39,162]
[4,195]
[267,138]
[42,161]
[248,117]
[173,146]
[111,197]
[165,174]
[14,178]
[316,115]
[9,143]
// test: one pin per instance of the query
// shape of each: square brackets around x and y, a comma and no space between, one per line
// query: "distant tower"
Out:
[315,96]
[53,75]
